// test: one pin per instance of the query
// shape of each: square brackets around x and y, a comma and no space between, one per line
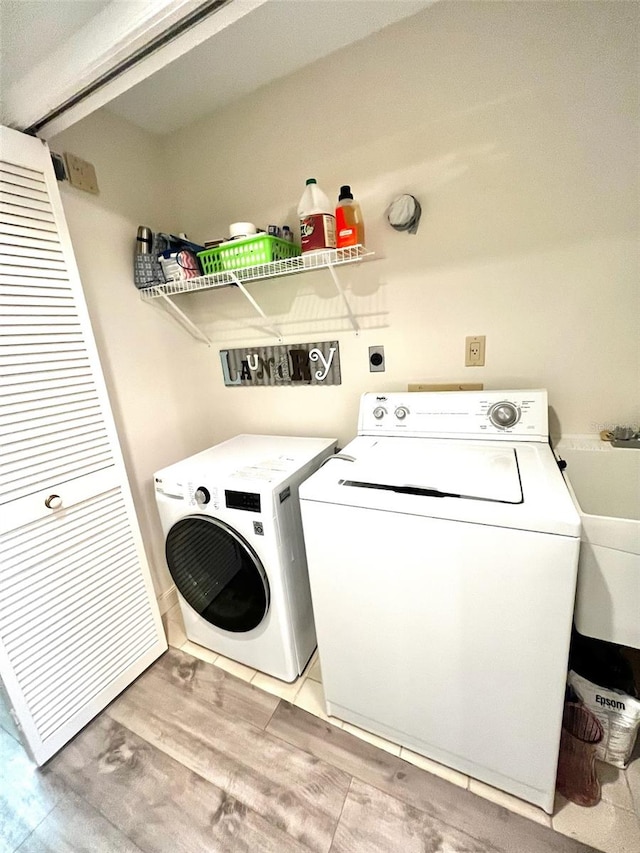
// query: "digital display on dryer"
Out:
[248,501]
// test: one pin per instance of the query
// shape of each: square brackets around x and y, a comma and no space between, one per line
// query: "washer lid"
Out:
[514,485]
[438,470]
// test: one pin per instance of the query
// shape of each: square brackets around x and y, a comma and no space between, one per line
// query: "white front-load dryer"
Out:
[235,549]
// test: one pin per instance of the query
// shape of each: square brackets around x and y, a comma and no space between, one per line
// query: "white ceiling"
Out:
[273,40]
[32,29]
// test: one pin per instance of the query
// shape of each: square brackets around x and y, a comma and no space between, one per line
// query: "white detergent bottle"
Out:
[317,222]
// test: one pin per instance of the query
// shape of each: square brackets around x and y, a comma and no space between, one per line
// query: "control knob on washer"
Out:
[504,414]
[202,496]
[401,412]
[379,412]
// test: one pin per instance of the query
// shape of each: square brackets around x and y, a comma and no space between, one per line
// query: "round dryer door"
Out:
[218,573]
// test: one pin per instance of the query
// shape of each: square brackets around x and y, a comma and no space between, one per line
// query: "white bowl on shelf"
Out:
[237,230]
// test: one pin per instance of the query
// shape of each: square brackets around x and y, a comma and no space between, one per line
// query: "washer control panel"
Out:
[504,414]
[514,415]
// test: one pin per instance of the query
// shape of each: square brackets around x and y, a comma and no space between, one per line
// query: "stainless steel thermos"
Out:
[144,240]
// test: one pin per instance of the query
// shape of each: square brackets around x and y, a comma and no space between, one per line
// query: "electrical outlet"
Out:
[81,174]
[474,351]
[376,359]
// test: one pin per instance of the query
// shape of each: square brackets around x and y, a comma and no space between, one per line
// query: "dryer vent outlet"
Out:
[376,360]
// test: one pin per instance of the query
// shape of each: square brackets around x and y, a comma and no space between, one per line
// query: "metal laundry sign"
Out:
[297,364]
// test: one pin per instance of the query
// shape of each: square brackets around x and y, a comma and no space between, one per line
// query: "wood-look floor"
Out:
[192,759]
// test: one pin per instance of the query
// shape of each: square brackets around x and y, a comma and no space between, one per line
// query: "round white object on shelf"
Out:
[242,229]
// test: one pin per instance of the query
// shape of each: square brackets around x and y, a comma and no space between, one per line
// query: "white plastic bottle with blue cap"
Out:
[317,222]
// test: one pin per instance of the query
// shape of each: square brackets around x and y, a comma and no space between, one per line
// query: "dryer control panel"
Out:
[498,415]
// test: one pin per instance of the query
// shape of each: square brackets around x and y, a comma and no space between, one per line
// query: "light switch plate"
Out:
[81,174]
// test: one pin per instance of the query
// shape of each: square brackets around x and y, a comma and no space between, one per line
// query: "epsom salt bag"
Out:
[618,714]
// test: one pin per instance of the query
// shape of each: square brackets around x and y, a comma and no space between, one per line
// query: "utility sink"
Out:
[604,482]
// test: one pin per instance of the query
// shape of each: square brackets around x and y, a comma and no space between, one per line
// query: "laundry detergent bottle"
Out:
[317,222]
[349,223]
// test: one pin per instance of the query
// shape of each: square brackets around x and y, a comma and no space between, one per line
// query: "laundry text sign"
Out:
[296,364]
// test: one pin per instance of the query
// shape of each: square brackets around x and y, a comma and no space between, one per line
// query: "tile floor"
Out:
[612,826]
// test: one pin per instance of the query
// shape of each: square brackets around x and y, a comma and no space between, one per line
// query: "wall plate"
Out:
[81,174]
[474,348]
[376,360]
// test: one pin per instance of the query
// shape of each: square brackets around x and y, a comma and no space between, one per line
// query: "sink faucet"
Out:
[624,436]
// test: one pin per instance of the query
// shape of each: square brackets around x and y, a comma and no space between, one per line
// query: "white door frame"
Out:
[107,41]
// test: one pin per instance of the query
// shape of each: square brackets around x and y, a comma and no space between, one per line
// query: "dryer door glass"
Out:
[218,573]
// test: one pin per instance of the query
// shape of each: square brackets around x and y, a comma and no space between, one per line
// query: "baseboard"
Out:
[167,600]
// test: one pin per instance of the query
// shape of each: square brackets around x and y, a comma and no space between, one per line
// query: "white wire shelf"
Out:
[274,269]
[328,259]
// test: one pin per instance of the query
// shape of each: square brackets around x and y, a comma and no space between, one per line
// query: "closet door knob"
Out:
[53,502]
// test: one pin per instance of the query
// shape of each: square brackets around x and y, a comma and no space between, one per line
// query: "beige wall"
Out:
[516,126]
[155,372]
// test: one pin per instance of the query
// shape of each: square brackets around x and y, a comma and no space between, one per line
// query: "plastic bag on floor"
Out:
[618,714]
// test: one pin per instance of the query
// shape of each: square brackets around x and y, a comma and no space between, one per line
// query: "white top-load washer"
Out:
[442,546]
[234,547]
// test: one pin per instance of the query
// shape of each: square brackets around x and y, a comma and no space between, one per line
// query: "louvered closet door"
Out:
[78,616]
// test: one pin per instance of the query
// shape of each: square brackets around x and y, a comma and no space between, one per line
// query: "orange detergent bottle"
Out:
[349,224]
